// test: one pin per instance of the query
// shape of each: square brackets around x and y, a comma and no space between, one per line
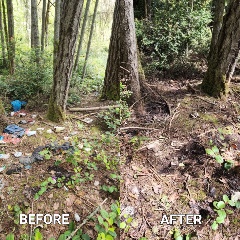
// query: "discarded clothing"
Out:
[15,130]
[17,105]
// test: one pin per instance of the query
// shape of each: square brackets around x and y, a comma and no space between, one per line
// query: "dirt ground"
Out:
[165,167]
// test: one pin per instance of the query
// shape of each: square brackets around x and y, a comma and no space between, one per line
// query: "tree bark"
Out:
[43,24]
[56,29]
[224,53]
[90,39]
[69,24]
[123,60]
[11,44]
[82,35]
[35,41]
[47,22]
[2,39]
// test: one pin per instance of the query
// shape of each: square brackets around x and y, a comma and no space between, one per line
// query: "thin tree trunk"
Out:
[56,29]
[82,35]
[35,41]
[5,23]
[27,13]
[43,24]
[11,36]
[69,25]
[224,54]
[90,39]
[2,39]
[47,22]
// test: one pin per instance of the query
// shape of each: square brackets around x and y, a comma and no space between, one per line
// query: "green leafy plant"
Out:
[214,152]
[44,186]
[220,208]
[110,189]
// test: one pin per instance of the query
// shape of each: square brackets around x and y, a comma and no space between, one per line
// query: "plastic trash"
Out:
[13,170]
[17,154]
[2,168]
[77,217]
[1,138]
[28,167]
[88,120]
[4,156]
[15,130]
[23,122]
[49,131]
[17,105]
[59,129]
[26,160]
[31,133]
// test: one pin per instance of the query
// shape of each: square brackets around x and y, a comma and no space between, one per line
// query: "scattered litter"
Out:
[2,168]
[14,170]
[10,138]
[23,122]
[4,156]
[66,138]
[22,114]
[26,160]
[15,130]
[28,167]
[66,189]
[40,129]
[31,133]
[73,133]
[59,129]
[1,138]
[17,105]
[17,154]
[77,217]
[87,120]
[49,131]
[235,196]
[135,190]
[34,116]
[194,115]
[96,183]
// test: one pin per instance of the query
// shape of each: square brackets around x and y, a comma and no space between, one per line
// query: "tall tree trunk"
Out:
[11,51]
[56,29]
[43,24]
[90,39]
[218,13]
[82,35]
[35,42]
[224,53]
[69,24]
[47,22]
[27,14]
[123,60]
[2,39]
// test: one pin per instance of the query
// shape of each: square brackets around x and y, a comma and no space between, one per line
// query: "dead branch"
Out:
[92,108]
[205,100]
[140,128]
[86,219]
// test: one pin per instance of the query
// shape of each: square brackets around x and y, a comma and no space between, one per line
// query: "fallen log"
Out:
[92,108]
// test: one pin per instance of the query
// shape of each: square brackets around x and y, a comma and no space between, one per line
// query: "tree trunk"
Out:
[11,44]
[82,35]
[224,53]
[43,24]
[27,14]
[35,42]
[56,29]
[90,39]
[69,24]
[218,13]
[47,22]
[2,40]
[123,60]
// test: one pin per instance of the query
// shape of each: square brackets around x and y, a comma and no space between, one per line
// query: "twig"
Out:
[92,108]
[141,128]
[175,112]
[86,219]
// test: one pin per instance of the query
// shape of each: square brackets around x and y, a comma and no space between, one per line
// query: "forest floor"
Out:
[166,170]
[164,167]
[71,167]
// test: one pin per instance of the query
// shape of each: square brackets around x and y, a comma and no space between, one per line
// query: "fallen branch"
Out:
[92,108]
[140,128]
[86,219]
